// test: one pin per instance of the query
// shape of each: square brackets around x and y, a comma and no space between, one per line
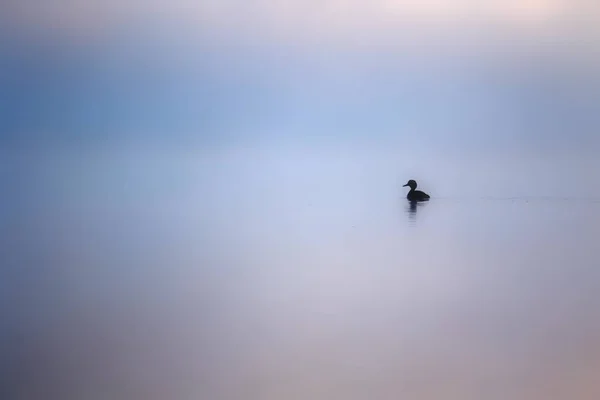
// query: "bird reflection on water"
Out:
[411,210]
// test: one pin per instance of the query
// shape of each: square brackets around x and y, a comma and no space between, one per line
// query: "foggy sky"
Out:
[442,69]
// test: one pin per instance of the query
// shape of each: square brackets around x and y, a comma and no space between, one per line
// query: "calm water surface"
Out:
[299,272]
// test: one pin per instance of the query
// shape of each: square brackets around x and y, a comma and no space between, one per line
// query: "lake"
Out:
[297,270]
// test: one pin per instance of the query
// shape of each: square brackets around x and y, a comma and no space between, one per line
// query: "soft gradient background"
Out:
[201,200]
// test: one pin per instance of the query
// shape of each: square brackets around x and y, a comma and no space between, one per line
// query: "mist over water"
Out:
[205,201]
[297,269]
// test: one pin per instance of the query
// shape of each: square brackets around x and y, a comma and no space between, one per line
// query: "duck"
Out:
[415,195]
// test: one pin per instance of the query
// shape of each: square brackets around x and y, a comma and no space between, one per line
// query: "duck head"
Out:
[411,184]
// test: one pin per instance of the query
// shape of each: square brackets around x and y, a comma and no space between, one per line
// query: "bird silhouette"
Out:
[413,194]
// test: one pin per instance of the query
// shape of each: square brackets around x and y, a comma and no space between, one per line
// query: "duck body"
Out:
[413,194]
[417,195]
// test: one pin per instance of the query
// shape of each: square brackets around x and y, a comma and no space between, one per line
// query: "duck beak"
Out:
[405,185]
